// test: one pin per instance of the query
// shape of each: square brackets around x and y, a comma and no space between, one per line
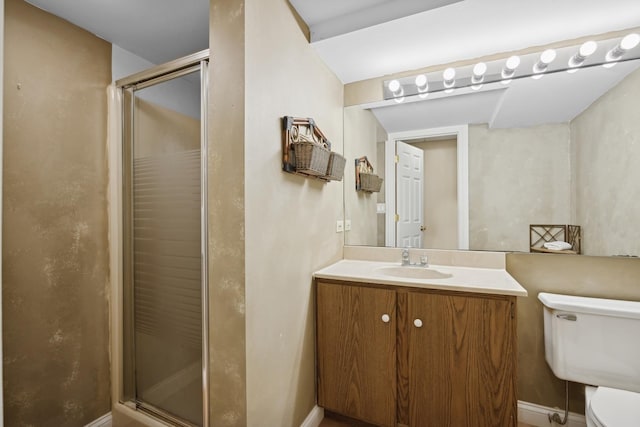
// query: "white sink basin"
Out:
[413,272]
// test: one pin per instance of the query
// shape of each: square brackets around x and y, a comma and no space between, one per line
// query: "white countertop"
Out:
[463,279]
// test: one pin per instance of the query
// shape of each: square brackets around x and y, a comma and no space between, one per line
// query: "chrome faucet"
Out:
[406,259]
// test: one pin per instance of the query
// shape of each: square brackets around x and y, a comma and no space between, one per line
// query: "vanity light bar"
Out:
[422,85]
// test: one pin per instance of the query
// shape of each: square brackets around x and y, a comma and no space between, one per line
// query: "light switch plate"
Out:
[339,226]
[347,224]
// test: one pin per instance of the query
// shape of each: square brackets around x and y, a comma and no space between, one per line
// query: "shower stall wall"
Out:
[161,352]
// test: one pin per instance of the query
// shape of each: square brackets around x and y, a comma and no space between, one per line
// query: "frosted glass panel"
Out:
[164,239]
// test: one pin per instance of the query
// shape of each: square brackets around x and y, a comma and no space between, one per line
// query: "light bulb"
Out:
[587,49]
[478,73]
[421,83]
[548,56]
[627,43]
[449,76]
[513,62]
[510,67]
[396,88]
[479,69]
[630,41]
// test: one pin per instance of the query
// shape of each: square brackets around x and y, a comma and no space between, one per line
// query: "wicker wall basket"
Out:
[311,158]
[335,170]
[370,182]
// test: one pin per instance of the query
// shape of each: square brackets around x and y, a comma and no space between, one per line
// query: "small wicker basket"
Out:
[311,158]
[335,169]
[370,182]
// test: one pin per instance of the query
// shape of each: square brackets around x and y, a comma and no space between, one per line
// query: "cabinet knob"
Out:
[386,318]
[417,323]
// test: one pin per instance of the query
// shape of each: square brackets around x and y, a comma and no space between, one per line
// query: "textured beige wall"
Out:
[227,214]
[440,193]
[569,275]
[606,140]
[290,220]
[55,249]
[361,136]
[517,177]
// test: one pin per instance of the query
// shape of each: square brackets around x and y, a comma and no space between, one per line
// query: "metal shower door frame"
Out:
[127,86]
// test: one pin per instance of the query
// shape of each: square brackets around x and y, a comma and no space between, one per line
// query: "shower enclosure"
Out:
[162,298]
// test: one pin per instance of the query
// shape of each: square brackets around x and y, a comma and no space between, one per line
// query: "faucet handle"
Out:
[405,256]
[424,261]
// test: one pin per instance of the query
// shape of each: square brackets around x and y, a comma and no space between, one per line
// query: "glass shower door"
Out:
[163,249]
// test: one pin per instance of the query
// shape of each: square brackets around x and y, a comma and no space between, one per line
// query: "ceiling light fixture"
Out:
[421,83]
[510,68]
[546,58]
[627,43]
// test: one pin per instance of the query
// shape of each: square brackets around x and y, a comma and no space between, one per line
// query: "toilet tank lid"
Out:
[607,307]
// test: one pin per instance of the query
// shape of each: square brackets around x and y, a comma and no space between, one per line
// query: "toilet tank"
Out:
[593,341]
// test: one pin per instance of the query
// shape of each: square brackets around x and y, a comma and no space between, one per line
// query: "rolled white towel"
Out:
[558,245]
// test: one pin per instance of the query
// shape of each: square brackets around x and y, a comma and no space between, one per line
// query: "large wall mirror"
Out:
[489,161]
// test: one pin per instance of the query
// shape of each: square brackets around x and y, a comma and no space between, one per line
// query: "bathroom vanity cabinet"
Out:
[402,356]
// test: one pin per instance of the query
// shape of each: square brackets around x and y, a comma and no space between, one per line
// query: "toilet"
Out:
[596,342]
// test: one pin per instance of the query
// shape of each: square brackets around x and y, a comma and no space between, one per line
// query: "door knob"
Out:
[417,323]
[386,318]
[423,228]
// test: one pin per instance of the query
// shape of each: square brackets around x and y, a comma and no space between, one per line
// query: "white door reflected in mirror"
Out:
[410,202]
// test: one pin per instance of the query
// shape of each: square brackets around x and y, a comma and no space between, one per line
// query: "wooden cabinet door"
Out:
[357,352]
[461,361]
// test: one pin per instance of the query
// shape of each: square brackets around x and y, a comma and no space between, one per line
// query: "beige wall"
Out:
[440,193]
[517,177]
[290,220]
[226,208]
[55,262]
[606,148]
[361,136]
[562,274]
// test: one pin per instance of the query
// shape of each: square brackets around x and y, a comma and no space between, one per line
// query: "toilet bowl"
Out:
[596,341]
[610,407]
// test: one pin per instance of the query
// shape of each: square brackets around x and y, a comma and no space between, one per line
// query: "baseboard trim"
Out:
[314,418]
[103,421]
[537,415]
